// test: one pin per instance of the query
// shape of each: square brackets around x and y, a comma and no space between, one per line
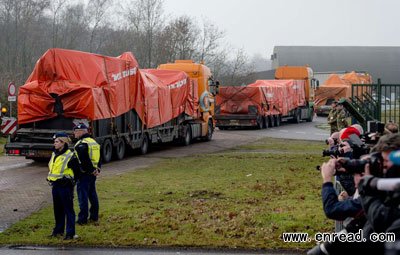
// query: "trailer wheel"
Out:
[271,121]
[265,122]
[297,116]
[107,151]
[277,120]
[144,147]
[209,131]
[187,136]
[120,149]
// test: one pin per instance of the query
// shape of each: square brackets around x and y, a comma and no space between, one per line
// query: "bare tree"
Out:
[74,30]
[56,7]
[146,19]
[96,12]
[177,40]
[237,69]
[209,40]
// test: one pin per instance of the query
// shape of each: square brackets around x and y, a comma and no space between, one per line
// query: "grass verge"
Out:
[2,142]
[232,199]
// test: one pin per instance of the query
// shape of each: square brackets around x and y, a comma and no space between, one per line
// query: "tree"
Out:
[209,41]
[177,40]
[96,13]
[56,7]
[146,20]
[237,68]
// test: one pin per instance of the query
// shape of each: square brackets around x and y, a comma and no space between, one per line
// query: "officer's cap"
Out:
[60,134]
[80,126]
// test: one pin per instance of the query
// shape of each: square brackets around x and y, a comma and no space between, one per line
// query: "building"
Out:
[379,62]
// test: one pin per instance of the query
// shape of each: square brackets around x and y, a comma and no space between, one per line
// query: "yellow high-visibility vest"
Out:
[94,150]
[59,167]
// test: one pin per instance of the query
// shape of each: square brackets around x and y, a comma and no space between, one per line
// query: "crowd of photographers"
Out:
[366,166]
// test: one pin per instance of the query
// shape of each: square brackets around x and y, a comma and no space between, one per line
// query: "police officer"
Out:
[61,177]
[332,118]
[87,151]
[341,117]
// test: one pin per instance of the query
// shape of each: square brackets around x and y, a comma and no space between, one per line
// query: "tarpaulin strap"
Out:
[109,99]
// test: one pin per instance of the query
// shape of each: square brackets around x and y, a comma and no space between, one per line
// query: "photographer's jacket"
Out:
[381,208]
[339,210]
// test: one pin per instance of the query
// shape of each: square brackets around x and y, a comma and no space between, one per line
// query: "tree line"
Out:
[30,27]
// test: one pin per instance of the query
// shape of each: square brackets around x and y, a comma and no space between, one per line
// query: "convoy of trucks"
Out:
[268,102]
[129,108]
[124,106]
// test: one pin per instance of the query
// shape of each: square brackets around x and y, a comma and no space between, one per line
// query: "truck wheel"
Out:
[107,151]
[120,149]
[209,131]
[187,136]
[144,147]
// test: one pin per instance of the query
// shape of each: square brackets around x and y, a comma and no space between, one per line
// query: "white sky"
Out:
[259,25]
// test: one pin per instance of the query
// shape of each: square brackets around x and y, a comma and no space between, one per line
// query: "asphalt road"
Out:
[24,190]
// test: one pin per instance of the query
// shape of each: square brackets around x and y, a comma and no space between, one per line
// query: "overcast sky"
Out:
[259,25]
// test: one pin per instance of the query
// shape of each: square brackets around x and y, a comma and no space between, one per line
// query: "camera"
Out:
[375,127]
[335,152]
[353,166]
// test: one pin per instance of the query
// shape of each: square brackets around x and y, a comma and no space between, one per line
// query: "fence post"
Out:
[379,101]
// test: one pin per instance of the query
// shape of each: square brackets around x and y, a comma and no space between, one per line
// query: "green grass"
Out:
[2,142]
[232,199]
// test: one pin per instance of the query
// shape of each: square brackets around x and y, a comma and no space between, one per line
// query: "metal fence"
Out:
[377,101]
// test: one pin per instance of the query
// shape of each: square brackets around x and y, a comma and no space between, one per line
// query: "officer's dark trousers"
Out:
[86,189]
[63,196]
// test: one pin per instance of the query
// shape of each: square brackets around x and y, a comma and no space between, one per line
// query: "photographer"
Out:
[333,208]
[381,208]
[339,210]
[350,146]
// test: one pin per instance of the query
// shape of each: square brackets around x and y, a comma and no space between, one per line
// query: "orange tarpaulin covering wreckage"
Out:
[336,87]
[269,96]
[92,86]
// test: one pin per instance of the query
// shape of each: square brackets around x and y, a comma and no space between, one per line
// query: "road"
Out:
[24,190]
[26,250]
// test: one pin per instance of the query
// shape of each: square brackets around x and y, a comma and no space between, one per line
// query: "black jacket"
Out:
[381,208]
[83,154]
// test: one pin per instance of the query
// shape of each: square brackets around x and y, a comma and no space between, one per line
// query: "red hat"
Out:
[348,132]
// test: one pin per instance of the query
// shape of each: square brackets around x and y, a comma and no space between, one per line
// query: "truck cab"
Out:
[206,88]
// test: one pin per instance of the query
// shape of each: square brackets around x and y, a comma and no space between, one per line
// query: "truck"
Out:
[266,103]
[338,86]
[126,108]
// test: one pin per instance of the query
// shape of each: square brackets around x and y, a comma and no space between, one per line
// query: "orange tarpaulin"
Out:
[269,96]
[93,87]
[283,95]
[88,85]
[336,87]
[165,95]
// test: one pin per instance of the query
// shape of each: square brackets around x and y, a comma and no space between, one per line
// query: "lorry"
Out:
[267,103]
[125,108]
[338,86]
